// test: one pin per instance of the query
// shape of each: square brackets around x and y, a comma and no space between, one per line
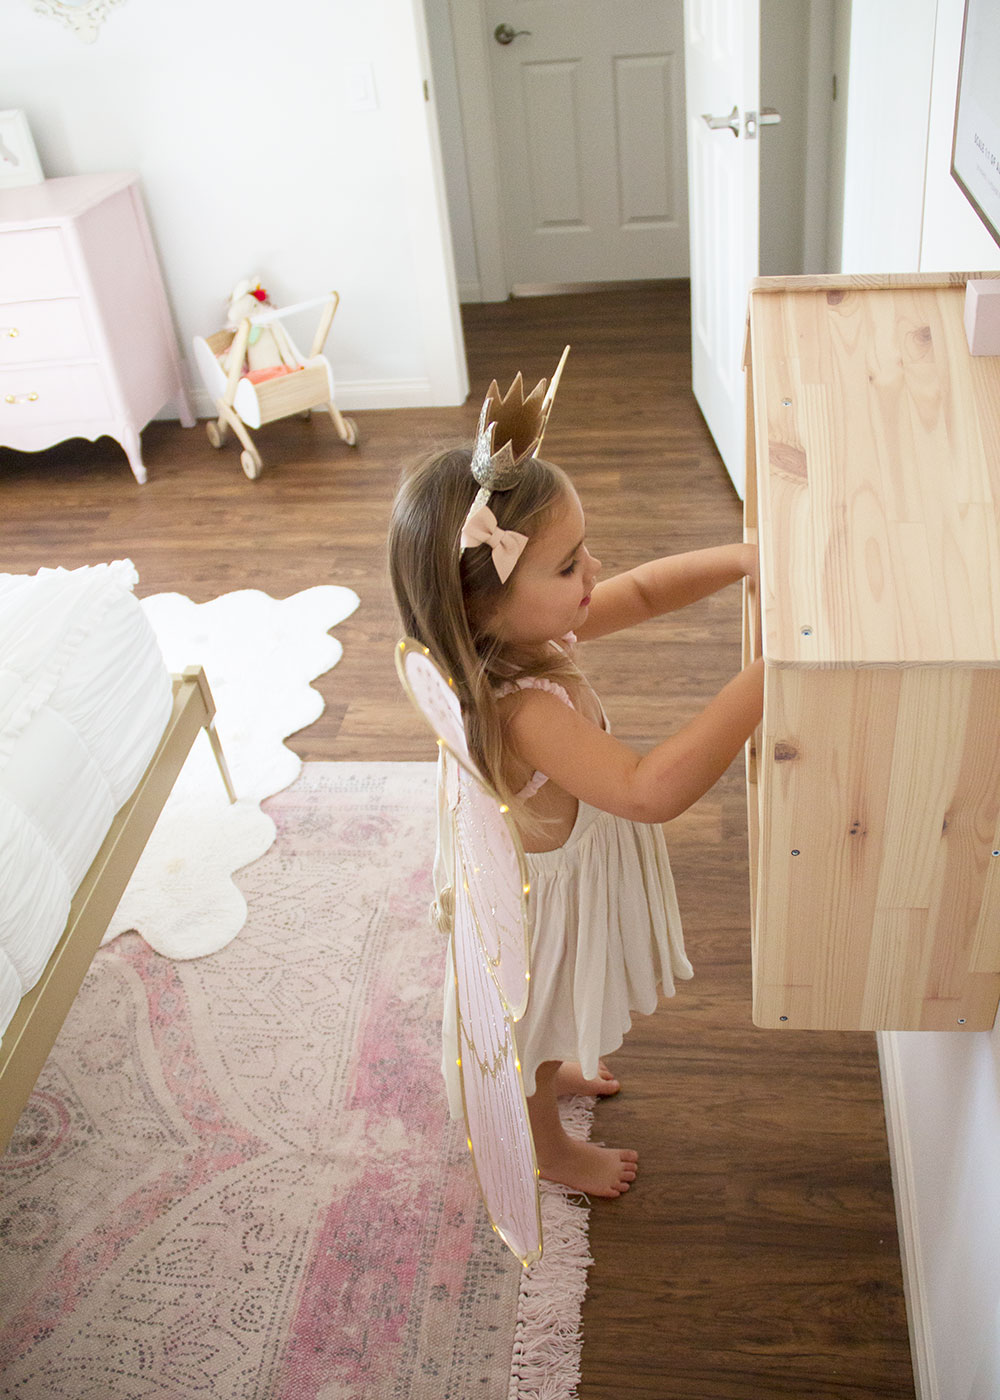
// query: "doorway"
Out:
[799,177]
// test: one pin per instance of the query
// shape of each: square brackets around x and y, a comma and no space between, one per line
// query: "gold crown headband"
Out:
[510,432]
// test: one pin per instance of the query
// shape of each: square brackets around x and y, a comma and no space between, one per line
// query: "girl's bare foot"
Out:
[569,1079]
[587,1167]
[582,1166]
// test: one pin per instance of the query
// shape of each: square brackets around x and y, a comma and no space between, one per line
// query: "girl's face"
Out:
[548,593]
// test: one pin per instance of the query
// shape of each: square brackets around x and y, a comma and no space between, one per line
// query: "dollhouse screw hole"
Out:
[796,853]
[782,1018]
[786,403]
[807,631]
[961,1020]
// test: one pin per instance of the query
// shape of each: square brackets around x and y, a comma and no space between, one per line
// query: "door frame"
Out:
[468,28]
[423,206]
[425,203]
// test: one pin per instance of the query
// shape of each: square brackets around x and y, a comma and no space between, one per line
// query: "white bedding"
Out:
[84,698]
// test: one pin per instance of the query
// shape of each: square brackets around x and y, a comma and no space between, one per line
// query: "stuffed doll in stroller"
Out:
[269,352]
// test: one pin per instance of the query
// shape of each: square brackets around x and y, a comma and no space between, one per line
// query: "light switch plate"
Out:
[361,92]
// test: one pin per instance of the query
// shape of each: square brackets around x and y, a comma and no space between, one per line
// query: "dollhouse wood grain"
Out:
[874,781]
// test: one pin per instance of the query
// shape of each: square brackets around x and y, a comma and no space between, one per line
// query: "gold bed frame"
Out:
[41,1012]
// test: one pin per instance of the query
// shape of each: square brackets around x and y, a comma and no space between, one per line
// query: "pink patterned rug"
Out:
[236,1178]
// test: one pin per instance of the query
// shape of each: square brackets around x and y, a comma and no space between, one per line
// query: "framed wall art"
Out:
[975,155]
[18,158]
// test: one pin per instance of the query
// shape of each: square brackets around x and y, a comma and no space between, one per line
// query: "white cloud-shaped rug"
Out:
[259,654]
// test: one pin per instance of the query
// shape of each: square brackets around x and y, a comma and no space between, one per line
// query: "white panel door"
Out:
[588,103]
[722,74]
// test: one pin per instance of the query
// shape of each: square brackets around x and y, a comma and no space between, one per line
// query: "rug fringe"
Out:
[548,1337]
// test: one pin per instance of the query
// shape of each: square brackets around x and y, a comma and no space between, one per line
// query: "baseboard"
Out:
[907,1219]
[553,289]
[385,393]
[358,394]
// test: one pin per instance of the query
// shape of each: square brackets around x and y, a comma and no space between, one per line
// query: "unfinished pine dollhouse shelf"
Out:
[873,489]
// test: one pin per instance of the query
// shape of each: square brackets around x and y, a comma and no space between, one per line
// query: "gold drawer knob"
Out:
[22,398]
[12,332]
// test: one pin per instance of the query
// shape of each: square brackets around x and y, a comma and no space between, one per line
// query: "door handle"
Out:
[730,123]
[503,33]
[769,116]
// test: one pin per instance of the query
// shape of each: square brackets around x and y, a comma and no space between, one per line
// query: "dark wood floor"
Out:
[757,1255]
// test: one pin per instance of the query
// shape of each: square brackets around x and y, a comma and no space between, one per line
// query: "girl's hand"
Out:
[750,562]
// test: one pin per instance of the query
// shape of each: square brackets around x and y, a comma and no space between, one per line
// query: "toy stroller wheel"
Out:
[252,465]
[214,436]
[352,432]
[306,415]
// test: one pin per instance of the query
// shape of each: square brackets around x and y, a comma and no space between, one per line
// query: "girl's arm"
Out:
[664,585]
[654,787]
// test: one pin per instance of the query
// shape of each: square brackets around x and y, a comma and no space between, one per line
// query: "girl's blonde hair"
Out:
[447,598]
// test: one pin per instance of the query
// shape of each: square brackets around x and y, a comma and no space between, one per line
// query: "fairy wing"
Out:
[434,696]
[495,875]
[496,1116]
[490,952]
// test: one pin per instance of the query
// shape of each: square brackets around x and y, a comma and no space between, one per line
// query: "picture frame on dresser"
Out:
[19,163]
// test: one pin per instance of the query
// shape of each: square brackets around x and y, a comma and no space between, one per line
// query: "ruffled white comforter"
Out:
[84,698]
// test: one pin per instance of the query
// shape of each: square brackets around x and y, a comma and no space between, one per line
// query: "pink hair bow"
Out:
[507,545]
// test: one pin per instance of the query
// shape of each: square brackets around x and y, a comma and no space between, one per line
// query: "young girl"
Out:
[501,588]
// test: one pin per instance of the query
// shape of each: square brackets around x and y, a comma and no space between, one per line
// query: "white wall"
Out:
[889,85]
[954,237]
[943,1111]
[241,120]
[904,212]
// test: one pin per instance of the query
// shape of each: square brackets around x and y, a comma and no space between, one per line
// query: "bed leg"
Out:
[196,675]
[220,758]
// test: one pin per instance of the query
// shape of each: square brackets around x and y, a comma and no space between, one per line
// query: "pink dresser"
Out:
[87,346]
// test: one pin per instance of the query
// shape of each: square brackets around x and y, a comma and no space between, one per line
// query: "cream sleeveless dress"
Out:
[606,938]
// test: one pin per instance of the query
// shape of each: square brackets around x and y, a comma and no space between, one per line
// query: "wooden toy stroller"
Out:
[298,385]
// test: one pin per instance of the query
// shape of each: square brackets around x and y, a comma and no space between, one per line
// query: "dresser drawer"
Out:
[43,330]
[45,395]
[35,264]
[93,352]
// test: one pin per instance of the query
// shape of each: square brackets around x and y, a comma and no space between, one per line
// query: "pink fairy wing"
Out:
[496,883]
[496,877]
[490,939]
[496,1115]
[432,693]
